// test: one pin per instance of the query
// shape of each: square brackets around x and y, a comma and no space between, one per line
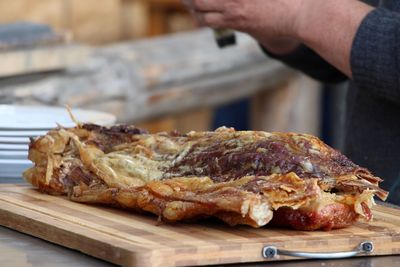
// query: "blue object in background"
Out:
[326,116]
[333,117]
[236,115]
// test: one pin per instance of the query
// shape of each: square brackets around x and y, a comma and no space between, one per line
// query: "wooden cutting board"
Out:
[130,239]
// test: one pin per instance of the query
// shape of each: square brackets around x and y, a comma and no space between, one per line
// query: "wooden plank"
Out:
[21,35]
[131,239]
[161,12]
[192,120]
[89,21]
[95,23]
[51,12]
[134,19]
[156,77]
[291,107]
[44,58]
[157,21]
[175,4]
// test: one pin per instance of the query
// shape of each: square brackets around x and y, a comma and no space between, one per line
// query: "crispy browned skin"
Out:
[248,178]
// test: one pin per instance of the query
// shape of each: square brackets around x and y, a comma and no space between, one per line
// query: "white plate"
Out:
[20,147]
[15,162]
[21,133]
[13,168]
[9,154]
[14,140]
[44,118]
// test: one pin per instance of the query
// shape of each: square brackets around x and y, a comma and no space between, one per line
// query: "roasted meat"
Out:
[252,178]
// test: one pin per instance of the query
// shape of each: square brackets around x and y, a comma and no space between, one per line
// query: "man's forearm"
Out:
[329,28]
[326,26]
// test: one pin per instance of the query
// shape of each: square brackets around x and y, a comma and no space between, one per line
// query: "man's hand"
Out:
[271,22]
[275,17]
[326,26]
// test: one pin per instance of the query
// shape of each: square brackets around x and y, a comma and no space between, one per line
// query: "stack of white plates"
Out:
[20,123]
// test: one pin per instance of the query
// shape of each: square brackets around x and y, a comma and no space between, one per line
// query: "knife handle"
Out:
[224,37]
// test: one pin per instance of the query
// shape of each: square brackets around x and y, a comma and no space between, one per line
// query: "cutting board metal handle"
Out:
[366,247]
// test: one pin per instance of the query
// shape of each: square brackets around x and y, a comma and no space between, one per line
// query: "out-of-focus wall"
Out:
[90,21]
[102,22]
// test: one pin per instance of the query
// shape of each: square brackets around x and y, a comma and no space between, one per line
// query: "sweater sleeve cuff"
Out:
[306,60]
[300,53]
[375,57]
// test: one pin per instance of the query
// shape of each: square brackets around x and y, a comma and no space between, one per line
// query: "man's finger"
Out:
[211,19]
[208,5]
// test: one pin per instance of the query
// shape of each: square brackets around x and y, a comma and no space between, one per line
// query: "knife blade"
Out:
[224,37]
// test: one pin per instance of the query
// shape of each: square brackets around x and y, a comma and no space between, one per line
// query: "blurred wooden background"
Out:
[107,21]
[102,22]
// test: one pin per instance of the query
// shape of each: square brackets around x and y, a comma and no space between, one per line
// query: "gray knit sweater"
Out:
[373,102]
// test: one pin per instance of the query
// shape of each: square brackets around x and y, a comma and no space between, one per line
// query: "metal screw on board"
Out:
[367,247]
[270,252]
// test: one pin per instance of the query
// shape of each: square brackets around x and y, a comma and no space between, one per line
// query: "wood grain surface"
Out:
[130,239]
[150,78]
[40,59]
